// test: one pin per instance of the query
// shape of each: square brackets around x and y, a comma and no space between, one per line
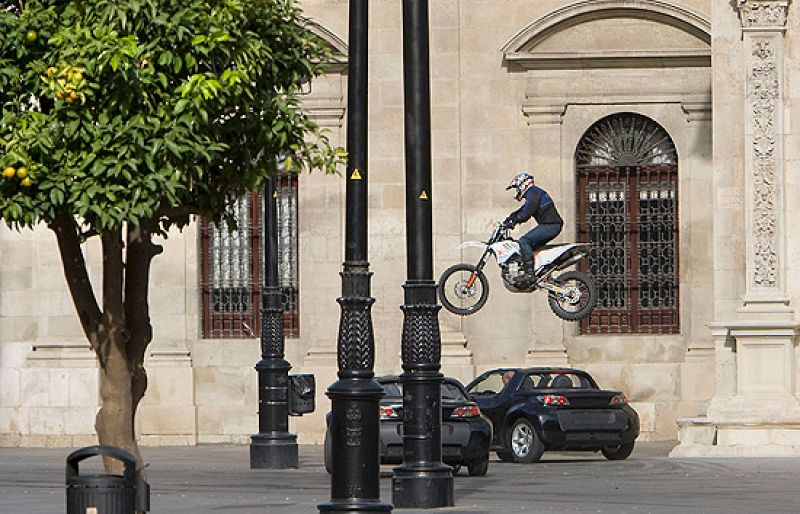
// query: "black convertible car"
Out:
[466,434]
[538,409]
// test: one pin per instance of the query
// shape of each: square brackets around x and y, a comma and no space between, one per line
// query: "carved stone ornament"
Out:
[763,97]
[767,14]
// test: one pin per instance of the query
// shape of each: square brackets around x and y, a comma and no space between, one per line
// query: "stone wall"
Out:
[490,120]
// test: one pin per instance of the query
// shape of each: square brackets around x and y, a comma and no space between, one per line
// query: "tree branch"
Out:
[80,286]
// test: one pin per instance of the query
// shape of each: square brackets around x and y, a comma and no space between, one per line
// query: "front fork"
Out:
[478,268]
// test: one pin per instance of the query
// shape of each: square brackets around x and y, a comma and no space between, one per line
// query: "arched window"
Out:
[232,266]
[627,175]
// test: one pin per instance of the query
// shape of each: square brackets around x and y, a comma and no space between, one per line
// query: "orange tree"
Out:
[121,119]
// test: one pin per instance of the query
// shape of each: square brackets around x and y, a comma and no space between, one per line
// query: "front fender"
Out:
[472,244]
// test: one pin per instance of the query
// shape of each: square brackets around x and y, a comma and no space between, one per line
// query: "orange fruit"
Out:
[73,95]
[31,36]
[26,182]
[22,172]
[59,95]
[9,172]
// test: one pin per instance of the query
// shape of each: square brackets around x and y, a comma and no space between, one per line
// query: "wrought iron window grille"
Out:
[232,264]
[627,199]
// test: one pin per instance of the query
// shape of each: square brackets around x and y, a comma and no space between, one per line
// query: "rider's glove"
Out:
[508,223]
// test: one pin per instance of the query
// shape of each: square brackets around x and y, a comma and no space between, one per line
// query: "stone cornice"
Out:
[763,14]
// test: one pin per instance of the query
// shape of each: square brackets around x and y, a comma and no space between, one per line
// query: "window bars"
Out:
[628,208]
[232,264]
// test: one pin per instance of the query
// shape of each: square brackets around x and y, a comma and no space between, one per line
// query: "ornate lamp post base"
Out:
[273,452]
[422,488]
[422,485]
[276,448]
[355,427]
[354,431]
[422,481]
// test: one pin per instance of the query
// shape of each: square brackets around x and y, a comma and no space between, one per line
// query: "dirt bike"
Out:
[464,289]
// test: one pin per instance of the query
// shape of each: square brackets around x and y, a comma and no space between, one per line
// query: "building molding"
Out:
[551,110]
[758,15]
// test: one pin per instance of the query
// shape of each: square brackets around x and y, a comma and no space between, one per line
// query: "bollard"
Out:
[105,494]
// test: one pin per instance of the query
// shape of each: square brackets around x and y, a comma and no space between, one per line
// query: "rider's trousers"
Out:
[537,237]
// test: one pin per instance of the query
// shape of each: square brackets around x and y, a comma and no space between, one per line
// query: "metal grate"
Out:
[630,214]
[232,264]
[626,140]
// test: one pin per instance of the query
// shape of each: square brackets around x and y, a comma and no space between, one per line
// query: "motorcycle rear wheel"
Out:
[585,303]
[455,293]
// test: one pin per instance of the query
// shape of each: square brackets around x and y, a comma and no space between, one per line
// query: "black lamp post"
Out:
[355,397]
[422,481]
[273,447]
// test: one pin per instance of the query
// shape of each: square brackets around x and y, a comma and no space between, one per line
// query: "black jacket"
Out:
[538,205]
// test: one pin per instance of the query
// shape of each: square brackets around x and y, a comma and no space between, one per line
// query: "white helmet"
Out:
[521,182]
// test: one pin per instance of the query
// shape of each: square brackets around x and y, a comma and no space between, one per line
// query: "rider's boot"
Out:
[529,268]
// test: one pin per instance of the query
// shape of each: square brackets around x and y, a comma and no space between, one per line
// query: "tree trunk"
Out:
[114,423]
[120,332]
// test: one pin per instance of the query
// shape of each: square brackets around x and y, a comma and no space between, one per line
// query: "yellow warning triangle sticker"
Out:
[356,175]
[274,194]
[423,196]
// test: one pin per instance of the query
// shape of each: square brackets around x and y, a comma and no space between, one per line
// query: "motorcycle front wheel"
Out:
[463,290]
[580,296]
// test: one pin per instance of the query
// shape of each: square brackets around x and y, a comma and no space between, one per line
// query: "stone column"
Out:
[763,24]
[544,119]
[755,411]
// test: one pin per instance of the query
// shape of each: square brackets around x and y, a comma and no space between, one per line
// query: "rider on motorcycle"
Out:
[540,206]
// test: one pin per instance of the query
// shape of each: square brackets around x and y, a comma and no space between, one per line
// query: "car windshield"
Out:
[492,383]
[450,392]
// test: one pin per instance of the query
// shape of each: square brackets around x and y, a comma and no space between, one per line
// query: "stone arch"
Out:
[337,44]
[528,47]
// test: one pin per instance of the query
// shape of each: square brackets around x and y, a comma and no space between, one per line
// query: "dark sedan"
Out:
[466,434]
[534,410]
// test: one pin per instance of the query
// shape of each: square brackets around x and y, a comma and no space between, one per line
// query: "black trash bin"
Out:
[105,494]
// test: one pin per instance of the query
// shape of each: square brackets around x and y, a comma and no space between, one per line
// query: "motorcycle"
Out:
[464,289]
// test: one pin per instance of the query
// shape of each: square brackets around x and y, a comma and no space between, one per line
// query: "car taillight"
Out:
[553,399]
[466,411]
[619,399]
[388,412]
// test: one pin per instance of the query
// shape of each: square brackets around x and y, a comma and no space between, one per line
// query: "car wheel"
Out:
[328,455]
[478,469]
[620,452]
[456,468]
[524,442]
[505,455]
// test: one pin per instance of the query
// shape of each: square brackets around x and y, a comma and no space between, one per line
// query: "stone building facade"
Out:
[663,131]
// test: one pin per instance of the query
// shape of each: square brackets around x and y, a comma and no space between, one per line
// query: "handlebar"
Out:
[498,233]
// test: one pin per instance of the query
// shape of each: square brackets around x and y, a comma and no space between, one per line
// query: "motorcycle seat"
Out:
[551,246]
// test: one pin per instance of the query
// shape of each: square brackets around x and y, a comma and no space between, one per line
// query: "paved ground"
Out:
[217,479]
